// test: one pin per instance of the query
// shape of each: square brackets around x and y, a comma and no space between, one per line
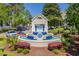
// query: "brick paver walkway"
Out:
[40,51]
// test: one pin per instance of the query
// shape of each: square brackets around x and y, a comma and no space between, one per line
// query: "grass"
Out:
[3,42]
[8,53]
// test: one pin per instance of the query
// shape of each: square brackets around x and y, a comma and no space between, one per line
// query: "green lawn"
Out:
[2,42]
[7,52]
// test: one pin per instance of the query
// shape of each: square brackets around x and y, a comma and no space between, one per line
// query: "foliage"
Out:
[60,29]
[12,40]
[14,14]
[3,42]
[54,45]
[62,50]
[19,50]
[56,30]
[6,29]
[66,33]
[65,48]
[3,14]
[66,41]
[25,51]
[1,49]
[73,30]
[52,12]
[73,15]
[56,51]
[1,39]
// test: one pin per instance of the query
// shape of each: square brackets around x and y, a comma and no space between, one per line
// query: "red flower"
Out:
[22,45]
[53,45]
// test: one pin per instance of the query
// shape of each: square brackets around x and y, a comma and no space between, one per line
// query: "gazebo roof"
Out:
[39,15]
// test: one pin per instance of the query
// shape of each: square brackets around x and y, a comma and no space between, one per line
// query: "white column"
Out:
[46,28]
[33,27]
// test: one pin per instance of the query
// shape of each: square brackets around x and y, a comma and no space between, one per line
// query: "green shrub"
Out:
[65,48]
[56,30]
[4,54]
[60,29]
[1,49]
[1,39]
[66,41]
[12,28]
[19,50]
[6,29]
[74,30]
[25,51]
[66,33]
[56,51]
[13,40]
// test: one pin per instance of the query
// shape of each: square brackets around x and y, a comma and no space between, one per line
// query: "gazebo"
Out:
[40,23]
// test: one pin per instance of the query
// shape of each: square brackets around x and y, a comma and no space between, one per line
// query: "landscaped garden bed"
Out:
[11,47]
[54,45]
[22,47]
[63,28]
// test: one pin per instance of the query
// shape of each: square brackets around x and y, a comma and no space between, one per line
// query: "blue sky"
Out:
[36,8]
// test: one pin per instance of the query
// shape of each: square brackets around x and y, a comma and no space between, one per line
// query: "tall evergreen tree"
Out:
[73,15]
[52,12]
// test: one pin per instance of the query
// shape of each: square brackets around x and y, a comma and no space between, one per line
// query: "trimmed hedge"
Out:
[25,51]
[54,45]
[6,29]
[56,30]
[56,51]
[21,50]
[23,45]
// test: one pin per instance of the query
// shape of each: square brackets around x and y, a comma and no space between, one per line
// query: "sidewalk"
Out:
[40,51]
